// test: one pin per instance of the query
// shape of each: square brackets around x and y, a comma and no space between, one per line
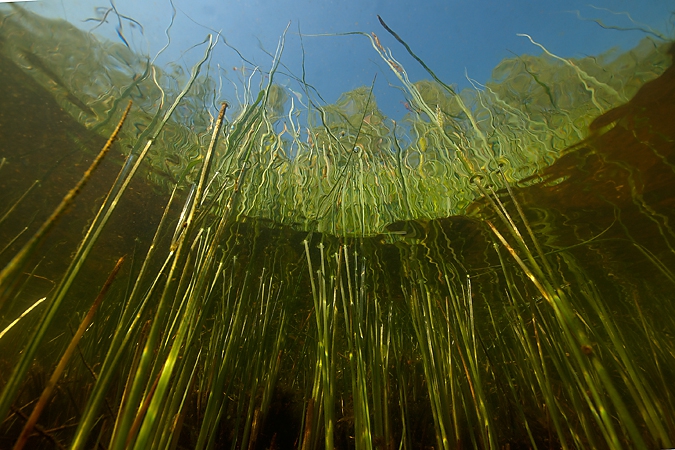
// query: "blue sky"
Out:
[451,36]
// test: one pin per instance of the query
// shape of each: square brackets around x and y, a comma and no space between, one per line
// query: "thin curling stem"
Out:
[417,58]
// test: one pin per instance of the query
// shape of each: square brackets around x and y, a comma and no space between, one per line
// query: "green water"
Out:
[494,271]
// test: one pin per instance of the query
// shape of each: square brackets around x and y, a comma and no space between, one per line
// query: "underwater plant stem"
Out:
[576,339]
[534,353]
[526,223]
[209,155]
[128,323]
[193,307]
[39,429]
[141,377]
[51,384]
[324,315]
[20,369]
[18,261]
[18,202]
[14,239]
[228,342]
[23,314]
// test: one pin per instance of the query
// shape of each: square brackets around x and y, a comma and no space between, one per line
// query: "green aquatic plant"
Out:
[321,276]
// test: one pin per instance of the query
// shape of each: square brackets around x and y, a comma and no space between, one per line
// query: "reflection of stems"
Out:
[468,165]
[51,384]
[399,154]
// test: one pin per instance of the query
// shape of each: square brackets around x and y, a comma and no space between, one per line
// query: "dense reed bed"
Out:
[495,272]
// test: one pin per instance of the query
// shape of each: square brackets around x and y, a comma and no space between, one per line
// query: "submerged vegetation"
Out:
[493,271]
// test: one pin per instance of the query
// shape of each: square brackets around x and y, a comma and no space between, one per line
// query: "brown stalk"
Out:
[51,384]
